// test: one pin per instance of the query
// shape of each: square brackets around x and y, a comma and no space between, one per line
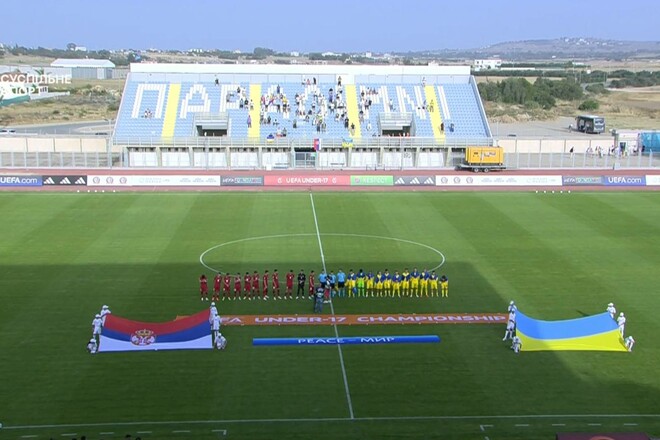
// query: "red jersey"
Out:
[255,281]
[247,281]
[216,283]
[289,280]
[227,282]
[237,283]
[265,281]
[311,282]
[203,285]
[276,280]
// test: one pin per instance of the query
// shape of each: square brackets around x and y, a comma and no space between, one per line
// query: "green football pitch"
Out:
[559,256]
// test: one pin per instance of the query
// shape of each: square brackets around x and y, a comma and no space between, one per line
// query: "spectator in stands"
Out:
[368,125]
[423,81]
[391,105]
[268,120]
[217,82]
[451,127]
[442,127]
[346,123]
[249,121]
[339,81]
[284,132]
[314,80]
[295,124]
[352,128]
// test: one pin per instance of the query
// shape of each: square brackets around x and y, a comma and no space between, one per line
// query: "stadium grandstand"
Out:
[256,116]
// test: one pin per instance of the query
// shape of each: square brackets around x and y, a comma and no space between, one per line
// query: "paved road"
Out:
[557,129]
[79,128]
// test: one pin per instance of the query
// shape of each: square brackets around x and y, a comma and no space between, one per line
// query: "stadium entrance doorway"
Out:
[396,124]
[212,124]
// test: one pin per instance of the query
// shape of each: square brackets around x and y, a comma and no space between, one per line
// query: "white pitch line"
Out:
[106,433]
[630,424]
[332,310]
[559,424]
[69,435]
[29,436]
[143,432]
[522,424]
[594,424]
[335,419]
[181,431]
[329,234]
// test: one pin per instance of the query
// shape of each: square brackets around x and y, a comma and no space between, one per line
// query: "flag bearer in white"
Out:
[621,320]
[630,342]
[92,346]
[220,342]
[104,312]
[510,327]
[97,323]
[611,310]
[516,344]
[215,326]
[213,312]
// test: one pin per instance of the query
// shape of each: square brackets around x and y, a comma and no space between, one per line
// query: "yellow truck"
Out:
[483,159]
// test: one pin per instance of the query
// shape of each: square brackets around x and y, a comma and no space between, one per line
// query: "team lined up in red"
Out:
[253,286]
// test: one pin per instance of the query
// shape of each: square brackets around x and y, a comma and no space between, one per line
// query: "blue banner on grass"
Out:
[421,339]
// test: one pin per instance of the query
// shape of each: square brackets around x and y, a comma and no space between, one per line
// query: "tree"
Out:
[71,46]
[589,105]
[263,52]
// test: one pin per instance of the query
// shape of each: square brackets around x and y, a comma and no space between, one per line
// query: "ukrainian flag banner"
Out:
[188,333]
[591,333]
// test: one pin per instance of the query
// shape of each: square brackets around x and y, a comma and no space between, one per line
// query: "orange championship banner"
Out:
[373,319]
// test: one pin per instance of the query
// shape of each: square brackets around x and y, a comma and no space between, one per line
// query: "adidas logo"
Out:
[415,181]
[49,181]
[80,181]
[65,181]
[399,181]
[429,181]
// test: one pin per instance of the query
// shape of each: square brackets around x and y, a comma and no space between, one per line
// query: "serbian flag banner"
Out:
[189,333]
[317,144]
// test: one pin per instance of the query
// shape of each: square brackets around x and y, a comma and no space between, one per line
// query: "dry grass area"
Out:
[29,60]
[88,101]
[625,109]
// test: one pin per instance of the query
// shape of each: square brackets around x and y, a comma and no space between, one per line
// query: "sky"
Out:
[319,26]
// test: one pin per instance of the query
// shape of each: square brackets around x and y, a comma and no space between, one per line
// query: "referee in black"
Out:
[301,284]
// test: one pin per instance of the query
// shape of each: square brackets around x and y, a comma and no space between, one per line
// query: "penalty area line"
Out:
[336,419]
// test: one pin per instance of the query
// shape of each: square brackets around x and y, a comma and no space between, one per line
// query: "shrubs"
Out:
[589,105]
[543,92]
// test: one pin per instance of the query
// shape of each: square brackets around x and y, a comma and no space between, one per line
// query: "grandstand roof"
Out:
[297,69]
[72,63]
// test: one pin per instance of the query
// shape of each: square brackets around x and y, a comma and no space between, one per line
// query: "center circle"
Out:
[327,234]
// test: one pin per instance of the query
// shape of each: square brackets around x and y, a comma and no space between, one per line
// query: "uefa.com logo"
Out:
[31,78]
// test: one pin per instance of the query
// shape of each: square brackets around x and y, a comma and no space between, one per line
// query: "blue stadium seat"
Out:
[171,106]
